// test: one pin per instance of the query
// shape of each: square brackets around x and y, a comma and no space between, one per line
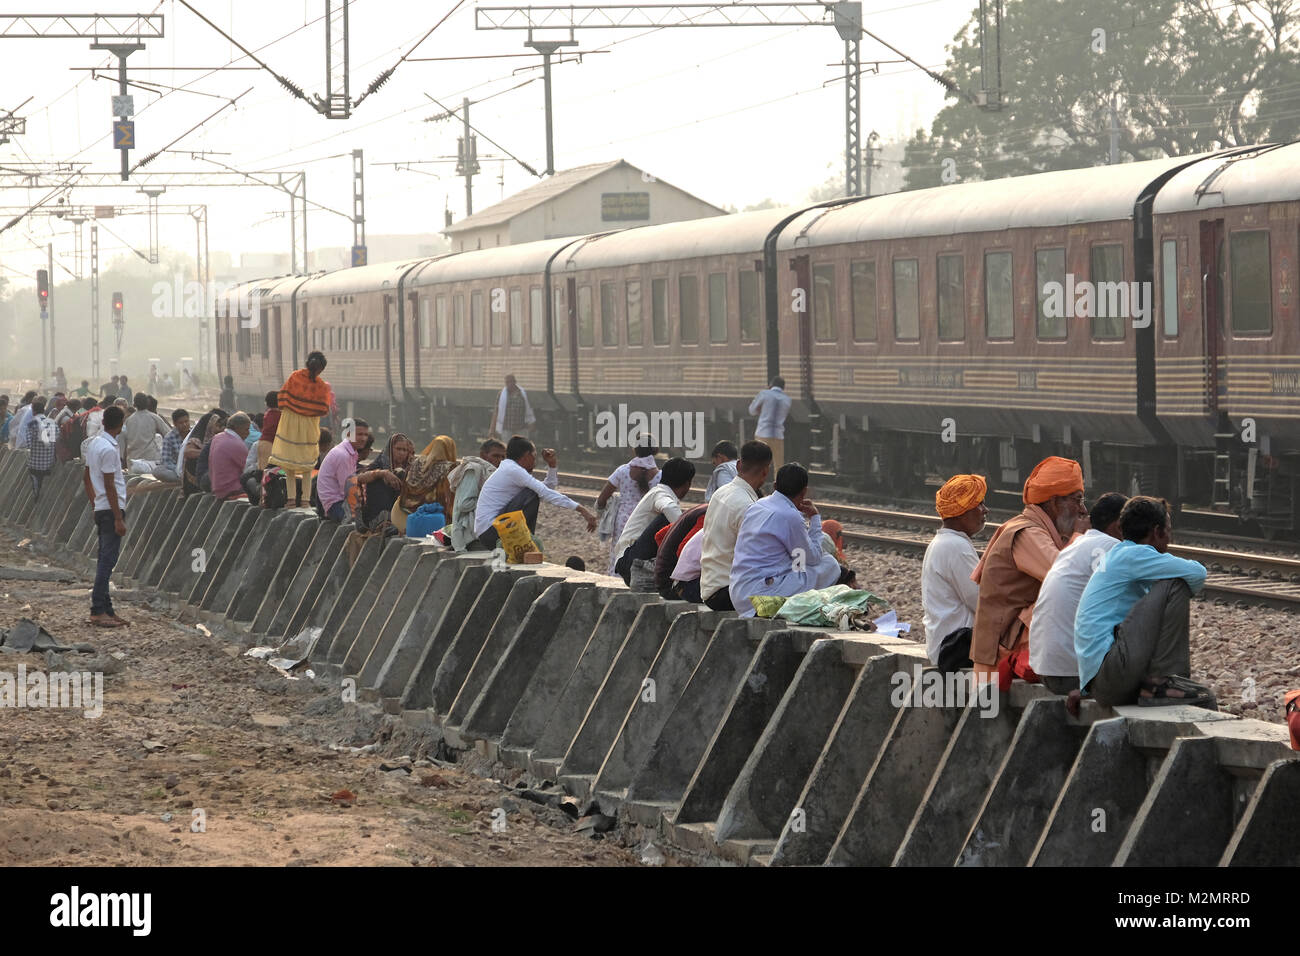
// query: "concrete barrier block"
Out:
[335,548]
[894,786]
[213,549]
[470,637]
[148,538]
[1188,815]
[619,688]
[232,557]
[1100,800]
[142,520]
[754,700]
[230,575]
[1269,831]
[151,573]
[264,559]
[470,579]
[334,583]
[957,789]
[515,665]
[683,648]
[342,598]
[179,565]
[1027,786]
[363,601]
[417,629]
[62,534]
[294,588]
[762,799]
[412,574]
[283,568]
[377,601]
[842,767]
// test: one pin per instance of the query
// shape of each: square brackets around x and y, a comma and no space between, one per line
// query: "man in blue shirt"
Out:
[772,405]
[1131,629]
[775,552]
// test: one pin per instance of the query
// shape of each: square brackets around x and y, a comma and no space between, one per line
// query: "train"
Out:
[1140,318]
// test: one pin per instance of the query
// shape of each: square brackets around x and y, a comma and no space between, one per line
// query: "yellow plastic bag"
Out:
[516,541]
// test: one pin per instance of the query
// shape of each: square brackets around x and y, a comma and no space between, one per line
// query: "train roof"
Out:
[371,278]
[689,239]
[1064,197]
[1264,175]
[525,258]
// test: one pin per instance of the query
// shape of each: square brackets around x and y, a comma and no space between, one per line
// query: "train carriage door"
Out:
[1212,306]
[306,342]
[804,296]
[571,302]
[278,361]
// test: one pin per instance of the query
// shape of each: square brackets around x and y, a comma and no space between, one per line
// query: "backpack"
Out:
[275,493]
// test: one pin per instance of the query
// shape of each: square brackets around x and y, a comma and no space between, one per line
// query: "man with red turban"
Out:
[1019,557]
[948,595]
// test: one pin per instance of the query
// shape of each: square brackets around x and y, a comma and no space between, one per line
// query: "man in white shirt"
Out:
[105,486]
[1051,640]
[948,595]
[513,414]
[512,487]
[722,523]
[772,405]
[660,506]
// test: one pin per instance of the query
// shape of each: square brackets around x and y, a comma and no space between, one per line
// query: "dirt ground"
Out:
[189,724]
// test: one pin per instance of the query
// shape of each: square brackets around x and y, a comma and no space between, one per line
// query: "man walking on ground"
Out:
[1131,632]
[105,485]
[514,413]
[41,434]
[772,405]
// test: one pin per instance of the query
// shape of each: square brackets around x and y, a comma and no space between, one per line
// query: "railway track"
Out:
[1242,577]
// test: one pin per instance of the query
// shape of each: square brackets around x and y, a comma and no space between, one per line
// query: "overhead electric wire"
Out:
[383,77]
[283,81]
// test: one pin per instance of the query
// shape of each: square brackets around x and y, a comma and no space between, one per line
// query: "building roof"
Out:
[538,193]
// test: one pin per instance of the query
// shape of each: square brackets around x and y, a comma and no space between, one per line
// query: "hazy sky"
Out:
[733,115]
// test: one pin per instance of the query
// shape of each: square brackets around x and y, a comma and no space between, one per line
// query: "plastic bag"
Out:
[516,539]
[425,520]
[820,608]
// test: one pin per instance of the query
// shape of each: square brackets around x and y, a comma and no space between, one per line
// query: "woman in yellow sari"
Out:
[426,480]
[303,400]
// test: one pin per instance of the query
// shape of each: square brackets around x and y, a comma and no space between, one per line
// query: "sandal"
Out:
[1156,693]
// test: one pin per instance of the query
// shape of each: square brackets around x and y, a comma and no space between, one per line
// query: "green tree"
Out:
[1186,76]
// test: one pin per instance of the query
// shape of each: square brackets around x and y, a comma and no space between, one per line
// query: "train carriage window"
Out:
[608,315]
[516,317]
[751,320]
[862,292]
[476,318]
[1169,286]
[537,315]
[559,316]
[635,337]
[907,300]
[440,321]
[497,316]
[458,319]
[1049,266]
[1252,299]
[951,279]
[824,302]
[425,341]
[1111,307]
[999,300]
[659,310]
[586,322]
[718,307]
[688,302]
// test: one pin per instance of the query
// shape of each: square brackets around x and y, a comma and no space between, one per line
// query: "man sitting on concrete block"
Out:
[722,523]
[1131,629]
[512,487]
[1051,645]
[948,595]
[775,552]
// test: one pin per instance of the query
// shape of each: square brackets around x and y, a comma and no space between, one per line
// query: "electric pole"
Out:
[467,162]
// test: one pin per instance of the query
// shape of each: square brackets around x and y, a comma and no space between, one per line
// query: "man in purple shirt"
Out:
[775,552]
[340,465]
[226,459]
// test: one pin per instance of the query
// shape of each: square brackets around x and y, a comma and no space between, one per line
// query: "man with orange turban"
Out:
[1019,557]
[948,595]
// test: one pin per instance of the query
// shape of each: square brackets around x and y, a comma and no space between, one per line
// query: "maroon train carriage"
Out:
[917,332]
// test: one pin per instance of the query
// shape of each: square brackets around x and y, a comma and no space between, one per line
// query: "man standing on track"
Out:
[772,406]
[105,485]
[514,413]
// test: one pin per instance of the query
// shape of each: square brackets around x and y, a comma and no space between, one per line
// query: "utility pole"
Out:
[467,164]
[872,149]
[94,300]
[358,208]
[546,48]
[49,250]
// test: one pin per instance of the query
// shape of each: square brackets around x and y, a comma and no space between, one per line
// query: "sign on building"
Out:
[624,207]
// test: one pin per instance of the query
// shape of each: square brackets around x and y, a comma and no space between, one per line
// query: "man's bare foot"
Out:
[1072,700]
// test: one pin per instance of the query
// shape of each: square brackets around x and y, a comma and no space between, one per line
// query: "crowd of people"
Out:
[1087,601]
